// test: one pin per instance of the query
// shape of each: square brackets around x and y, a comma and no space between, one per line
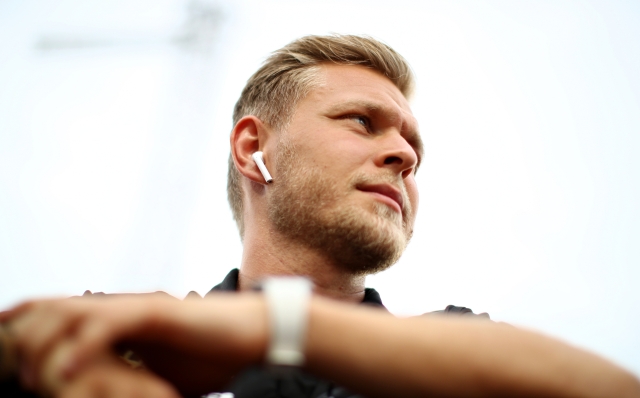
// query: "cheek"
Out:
[412,192]
[333,151]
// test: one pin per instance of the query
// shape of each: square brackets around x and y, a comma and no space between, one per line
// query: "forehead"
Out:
[344,85]
[338,80]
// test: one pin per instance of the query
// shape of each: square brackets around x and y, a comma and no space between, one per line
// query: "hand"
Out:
[115,380]
[198,345]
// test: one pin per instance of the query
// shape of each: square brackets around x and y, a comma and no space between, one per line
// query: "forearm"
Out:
[380,355]
[363,349]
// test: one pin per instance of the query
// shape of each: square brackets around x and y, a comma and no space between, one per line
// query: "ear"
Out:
[248,136]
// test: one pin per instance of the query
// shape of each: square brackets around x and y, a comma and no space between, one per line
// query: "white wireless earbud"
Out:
[257,157]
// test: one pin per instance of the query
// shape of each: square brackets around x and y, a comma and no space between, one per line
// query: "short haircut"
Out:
[286,77]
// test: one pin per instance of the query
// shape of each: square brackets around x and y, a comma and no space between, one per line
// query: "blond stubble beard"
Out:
[307,207]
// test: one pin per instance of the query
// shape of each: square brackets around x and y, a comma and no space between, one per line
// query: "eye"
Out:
[361,120]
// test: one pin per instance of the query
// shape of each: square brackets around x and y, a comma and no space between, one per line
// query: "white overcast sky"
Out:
[114,122]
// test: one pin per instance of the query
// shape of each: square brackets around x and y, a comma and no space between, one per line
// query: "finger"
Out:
[116,381]
[95,336]
[113,321]
[37,331]
[7,315]
[8,355]
[41,328]
[49,379]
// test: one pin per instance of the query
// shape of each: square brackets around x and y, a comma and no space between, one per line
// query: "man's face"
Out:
[345,168]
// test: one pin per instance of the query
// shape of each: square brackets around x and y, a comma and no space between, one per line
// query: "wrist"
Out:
[287,301]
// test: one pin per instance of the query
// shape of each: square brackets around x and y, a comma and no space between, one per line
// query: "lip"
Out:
[387,194]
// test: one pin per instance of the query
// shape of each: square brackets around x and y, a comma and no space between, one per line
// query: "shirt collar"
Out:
[230,284]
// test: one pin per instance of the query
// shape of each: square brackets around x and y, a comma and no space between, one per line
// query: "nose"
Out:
[398,155]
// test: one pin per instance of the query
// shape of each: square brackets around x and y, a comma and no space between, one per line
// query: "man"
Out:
[331,118]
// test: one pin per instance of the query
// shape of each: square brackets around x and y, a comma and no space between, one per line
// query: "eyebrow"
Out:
[349,105]
[411,135]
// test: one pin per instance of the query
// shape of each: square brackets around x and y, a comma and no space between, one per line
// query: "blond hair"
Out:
[286,76]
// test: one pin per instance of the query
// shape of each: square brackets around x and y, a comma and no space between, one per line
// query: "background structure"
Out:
[114,122]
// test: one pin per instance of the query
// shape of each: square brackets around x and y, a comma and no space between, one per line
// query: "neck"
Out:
[270,254]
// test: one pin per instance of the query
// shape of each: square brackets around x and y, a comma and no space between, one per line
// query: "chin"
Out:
[363,242]
[359,240]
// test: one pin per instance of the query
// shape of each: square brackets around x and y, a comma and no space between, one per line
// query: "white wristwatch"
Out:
[288,306]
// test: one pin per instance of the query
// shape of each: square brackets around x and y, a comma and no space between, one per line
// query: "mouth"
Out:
[385,193]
